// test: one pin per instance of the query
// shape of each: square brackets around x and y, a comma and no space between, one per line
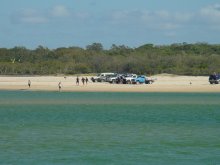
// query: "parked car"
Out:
[113,78]
[102,77]
[143,80]
[117,79]
[149,80]
[128,78]
[139,80]
[214,79]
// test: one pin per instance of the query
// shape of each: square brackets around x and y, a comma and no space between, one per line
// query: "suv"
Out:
[214,79]
[128,78]
[116,79]
[102,77]
[143,80]
[111,78]
[140,79]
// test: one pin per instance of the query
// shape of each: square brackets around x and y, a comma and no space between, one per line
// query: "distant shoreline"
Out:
[164,83]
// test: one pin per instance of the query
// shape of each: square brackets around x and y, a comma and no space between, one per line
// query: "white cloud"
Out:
[162,14]
[60,11]
[183,17]
[169,26]
[211,13]
[210,17]
[165,20]
[170,34]
[82,15]
[161,20]
[55,14]
[29,16]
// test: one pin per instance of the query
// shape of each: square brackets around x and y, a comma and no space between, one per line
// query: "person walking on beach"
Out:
[83,80]
[29,83]
[59,86]
[77,80]
[87,80]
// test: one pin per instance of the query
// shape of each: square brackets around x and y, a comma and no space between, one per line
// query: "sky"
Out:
[66,23]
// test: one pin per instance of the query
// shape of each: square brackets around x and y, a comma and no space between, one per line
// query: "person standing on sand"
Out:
[29,83]
[87,80]
[83,80]
[77,80]
[59,86]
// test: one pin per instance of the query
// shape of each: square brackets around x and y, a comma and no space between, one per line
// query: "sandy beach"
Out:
[163,83]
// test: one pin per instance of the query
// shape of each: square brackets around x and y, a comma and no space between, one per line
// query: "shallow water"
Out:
[109,128]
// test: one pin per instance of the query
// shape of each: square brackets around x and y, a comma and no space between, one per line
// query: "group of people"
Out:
[83,80]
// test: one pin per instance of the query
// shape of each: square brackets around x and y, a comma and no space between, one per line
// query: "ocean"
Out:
[65,128]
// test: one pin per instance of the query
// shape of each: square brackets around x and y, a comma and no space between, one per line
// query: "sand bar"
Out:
[163,83]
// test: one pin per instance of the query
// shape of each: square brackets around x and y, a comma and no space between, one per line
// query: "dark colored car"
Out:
[214,79]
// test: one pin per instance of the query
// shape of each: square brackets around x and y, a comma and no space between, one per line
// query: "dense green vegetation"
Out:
[182,59]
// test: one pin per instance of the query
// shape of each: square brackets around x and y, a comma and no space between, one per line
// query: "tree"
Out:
[182,58]
[97,47]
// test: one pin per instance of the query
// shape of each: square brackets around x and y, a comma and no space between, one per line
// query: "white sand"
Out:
[164,83]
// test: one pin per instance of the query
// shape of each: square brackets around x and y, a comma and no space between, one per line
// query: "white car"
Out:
[128,78]
[102,77]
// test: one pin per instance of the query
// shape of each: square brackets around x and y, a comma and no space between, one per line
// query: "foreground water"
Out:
[49,128]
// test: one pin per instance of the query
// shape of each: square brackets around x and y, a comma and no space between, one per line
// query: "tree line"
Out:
[178,58]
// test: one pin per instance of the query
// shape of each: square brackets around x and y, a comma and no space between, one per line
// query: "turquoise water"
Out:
[52,128]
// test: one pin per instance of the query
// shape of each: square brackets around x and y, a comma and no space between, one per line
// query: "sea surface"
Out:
[65,128]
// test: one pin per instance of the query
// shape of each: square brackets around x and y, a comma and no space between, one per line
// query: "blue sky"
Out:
[65,23]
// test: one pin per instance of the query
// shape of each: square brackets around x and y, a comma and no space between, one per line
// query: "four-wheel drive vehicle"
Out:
[123,78]
[101,77]
[113,78]
[214,79]
[128,78]
[139,80]
[143,80]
